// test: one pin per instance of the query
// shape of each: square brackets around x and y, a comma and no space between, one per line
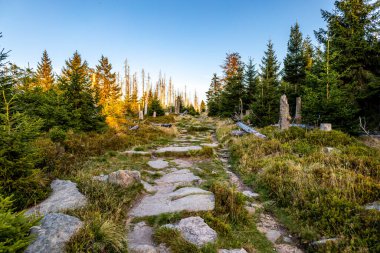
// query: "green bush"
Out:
[57,134]
[229,202]
[19,174]
[319,193]
[14,228]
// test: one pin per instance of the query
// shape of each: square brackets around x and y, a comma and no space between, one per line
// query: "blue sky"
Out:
[187,40]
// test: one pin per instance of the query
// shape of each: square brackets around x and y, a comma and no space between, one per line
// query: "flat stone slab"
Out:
[210,145]
[373,206]
[184,199]
[232,251]
[65,196]
[195,231]
[148,187]
[183,176]
[158,164]
[187,191]
[176,149]
[54,232]
[287,248]
[183,163]
[137,153]
[250,194]
[140,238]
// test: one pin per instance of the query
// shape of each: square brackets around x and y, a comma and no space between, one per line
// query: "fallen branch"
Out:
[363,126]
[249,130]
[168,125]
[134,128]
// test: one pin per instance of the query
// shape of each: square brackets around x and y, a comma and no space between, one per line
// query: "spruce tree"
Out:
[213,96]
[294,66]
[203,106]
[106,82]
[45,77]
[352,37]
[266,103]
[76,87]
[308,53]
[251,81]
[234,93]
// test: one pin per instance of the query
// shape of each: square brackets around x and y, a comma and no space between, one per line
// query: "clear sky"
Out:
[186,39]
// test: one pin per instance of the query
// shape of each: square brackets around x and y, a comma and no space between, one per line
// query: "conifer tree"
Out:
[234,93]
[352,40]
[213,96]
[251,81]
[75,85]
[45,76]
[308,53]
[106,81]
[295,64]
[203,106]
[265,106]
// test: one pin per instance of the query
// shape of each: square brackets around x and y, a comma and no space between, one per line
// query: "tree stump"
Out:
[284,113]
[326,127]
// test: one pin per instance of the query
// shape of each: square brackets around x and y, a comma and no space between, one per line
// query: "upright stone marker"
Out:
[284,113]
[298,117]
[154,114]
[326,127]
[177,106]
[141,115]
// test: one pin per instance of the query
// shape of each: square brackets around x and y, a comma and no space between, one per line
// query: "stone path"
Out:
[175,188]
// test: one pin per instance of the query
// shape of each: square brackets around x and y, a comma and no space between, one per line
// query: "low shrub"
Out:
[319,193]
[14,227]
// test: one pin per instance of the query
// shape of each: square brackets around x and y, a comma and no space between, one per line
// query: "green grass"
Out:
[314,193]
[90,155]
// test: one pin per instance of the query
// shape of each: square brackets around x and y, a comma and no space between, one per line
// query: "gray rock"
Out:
[328,150]
[101,178]
[250,209]
[273,235]
[287,248]
[232,251]
[373,206]
[237,133]
[165,201]
[148,187]
[137,153]
[143,249]
[323,241]
[158,164]
[196,231]
[183,163]
[55,230]
[140,239]
[211,145]
[175,149]
[250,194]
[65,196]
[163,249]
[124,178]
[184,176]
[187,191]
